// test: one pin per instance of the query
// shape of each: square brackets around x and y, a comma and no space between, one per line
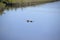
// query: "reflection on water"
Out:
[7,8]
[43,23]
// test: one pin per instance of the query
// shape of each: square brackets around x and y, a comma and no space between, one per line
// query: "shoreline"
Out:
[23,4]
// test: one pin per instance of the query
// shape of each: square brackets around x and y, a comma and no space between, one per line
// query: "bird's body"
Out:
[27,20]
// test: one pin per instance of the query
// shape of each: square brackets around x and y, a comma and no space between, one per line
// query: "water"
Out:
[45,23]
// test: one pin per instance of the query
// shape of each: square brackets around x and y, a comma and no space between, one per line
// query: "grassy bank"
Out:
[19,1]
[2,5]
[25,2]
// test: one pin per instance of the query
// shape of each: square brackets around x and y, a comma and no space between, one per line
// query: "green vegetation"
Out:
[1,4]
[24,2]
[21,3]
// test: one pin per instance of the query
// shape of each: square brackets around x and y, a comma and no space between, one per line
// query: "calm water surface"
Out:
[45,23]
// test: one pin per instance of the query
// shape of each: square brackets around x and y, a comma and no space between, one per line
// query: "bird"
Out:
[29,21]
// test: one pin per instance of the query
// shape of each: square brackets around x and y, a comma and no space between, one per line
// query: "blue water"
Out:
[45,23]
